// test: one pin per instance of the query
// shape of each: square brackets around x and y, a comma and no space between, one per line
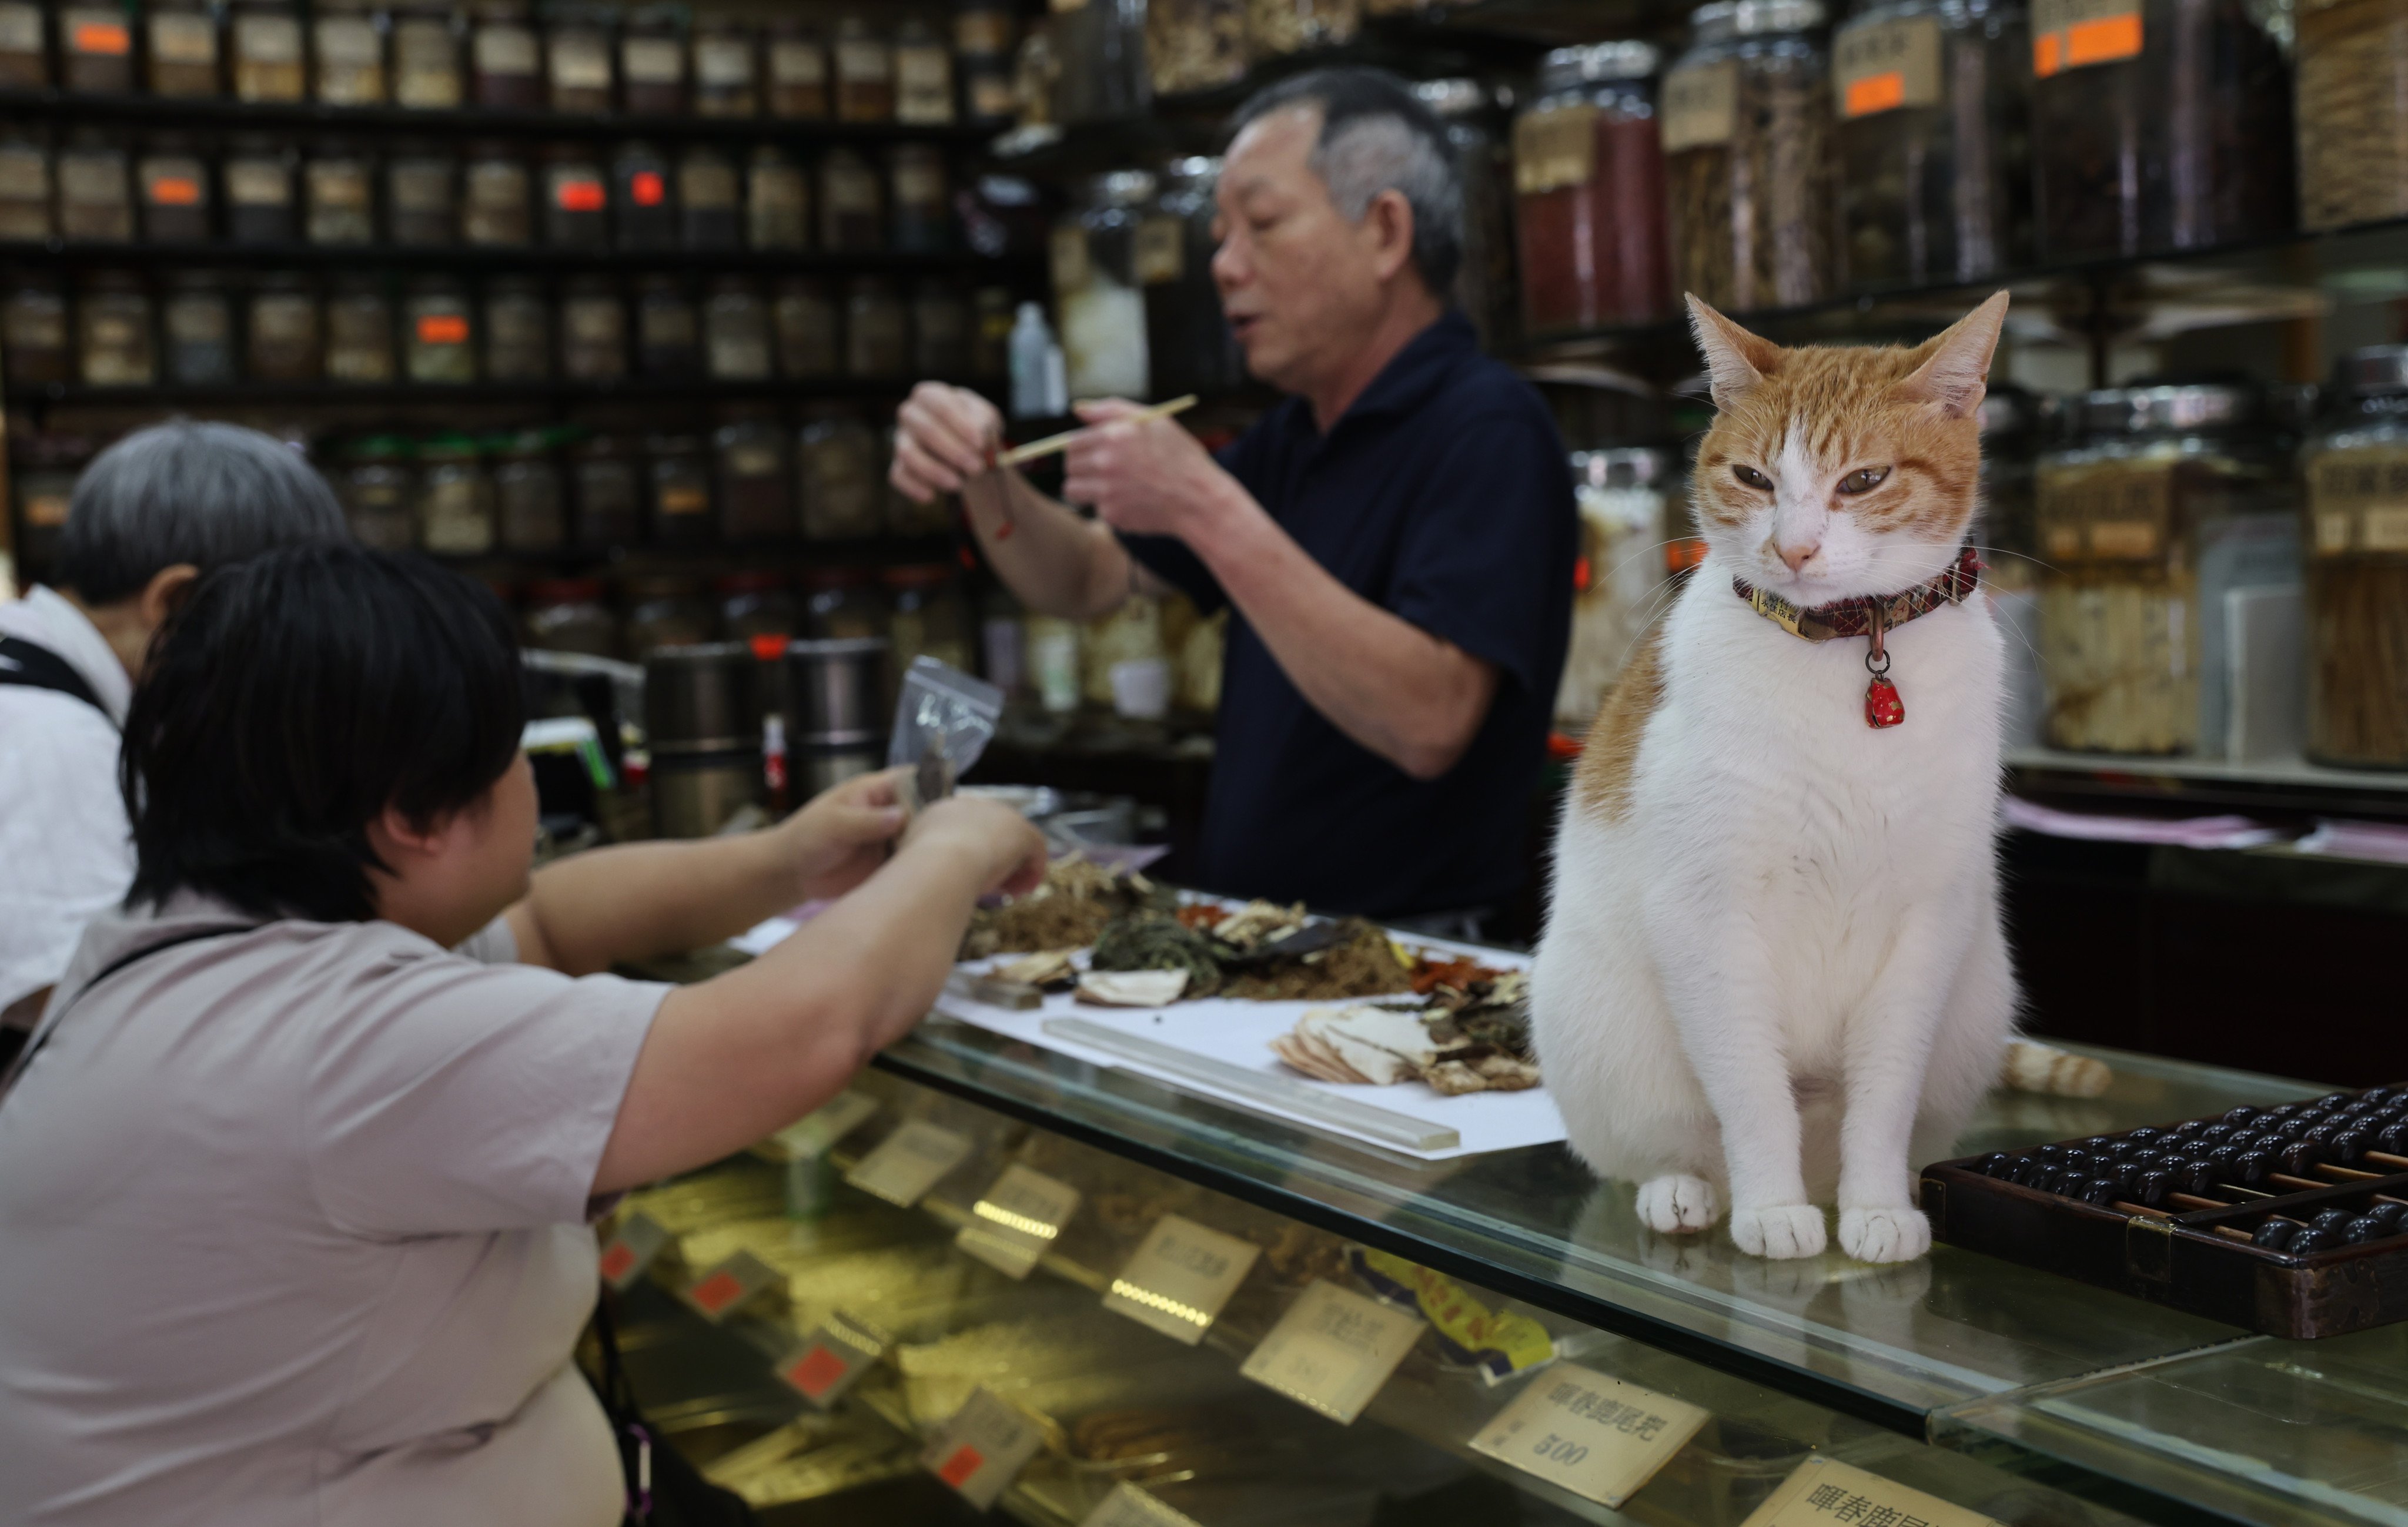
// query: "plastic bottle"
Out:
[1039,389]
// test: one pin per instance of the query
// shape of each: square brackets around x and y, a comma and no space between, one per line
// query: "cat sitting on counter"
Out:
[1773,969]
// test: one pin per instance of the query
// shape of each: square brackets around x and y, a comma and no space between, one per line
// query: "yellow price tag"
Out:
[1333,1349]
[1596,1436]
[984,1447]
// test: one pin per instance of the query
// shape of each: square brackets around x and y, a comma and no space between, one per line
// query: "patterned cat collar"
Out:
[1872,616]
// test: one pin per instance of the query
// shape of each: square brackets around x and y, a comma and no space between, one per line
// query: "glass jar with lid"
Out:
[726,61]
[1189,344]
[810,333]
[359,330]
[2012,424]
[568,615]
[991,335]
[426,72]
[2353,105]
[504,57]
[842,603]
[923,216]
[865,73]
[669,330]
[836,462]
[2129,511]
[737,340]
[495,197]
[677,474]
[174,186]
[438,332]
[43,469]
[929,617]
[652,63]
[378,489]
[197,320]
[940,329]
[422,184]
[1101,73]
[757,605]
[34,344]
[757,493]
[518,330]
[647,211]
[347,47]
[2157,126]
[285,341]
[338,195]
[985,34]
[667,611]
[593,330]
[25,51]
[266,44]
[610,501]
[259,191]
[575,200]
[530,504]
[455,496]
[182,55]
[923,75]
[25,187]
[577,58]
[1194,45]
[710,199]
[95,187]
[1483,284]
[1096,286]
[851,213]
[1588,191]
[1933,101]
[1291,26]
[797,71]
[1747,119]
[877,337]
[777,202]
[97,49]
[2356,471]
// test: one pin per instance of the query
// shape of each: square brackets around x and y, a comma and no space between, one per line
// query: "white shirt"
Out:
[292,1232]
[67,850]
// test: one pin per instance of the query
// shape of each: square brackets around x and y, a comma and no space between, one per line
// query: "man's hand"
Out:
[843,834]
[1005,853]
[1153,479]
[943,436]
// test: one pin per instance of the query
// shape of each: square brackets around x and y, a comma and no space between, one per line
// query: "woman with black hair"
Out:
[293,1211]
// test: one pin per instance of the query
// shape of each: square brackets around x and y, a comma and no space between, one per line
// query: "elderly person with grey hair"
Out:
[1396,540]
[151,514]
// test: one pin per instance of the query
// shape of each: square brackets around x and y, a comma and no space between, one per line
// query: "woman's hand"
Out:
[943,437]
[1006,854]
[840,837]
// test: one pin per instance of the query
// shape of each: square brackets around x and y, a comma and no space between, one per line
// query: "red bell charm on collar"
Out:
[1882,708]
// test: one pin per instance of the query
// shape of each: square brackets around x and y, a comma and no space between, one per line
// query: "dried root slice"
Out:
[1051,971]
[2044,1068]
[1132,987]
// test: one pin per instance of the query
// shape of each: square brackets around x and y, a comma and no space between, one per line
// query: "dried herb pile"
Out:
[1077,901]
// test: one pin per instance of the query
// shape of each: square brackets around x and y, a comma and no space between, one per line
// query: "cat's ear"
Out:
[1736,360]
[1956,364]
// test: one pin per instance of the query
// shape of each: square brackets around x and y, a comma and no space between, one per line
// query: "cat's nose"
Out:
[1797,555]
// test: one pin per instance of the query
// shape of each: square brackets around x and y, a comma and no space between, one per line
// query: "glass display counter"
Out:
[1517,1298]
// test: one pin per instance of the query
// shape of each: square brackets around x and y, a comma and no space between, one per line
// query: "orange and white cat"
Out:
[1773,969]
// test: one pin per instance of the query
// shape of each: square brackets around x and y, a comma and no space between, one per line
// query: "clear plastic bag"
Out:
[943,721]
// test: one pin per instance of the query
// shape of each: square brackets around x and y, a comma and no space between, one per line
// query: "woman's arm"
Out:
[735,1057]
[589,911]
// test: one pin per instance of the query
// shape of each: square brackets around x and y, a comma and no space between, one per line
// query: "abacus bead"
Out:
[2312,1239]
[2361,1230]
[2332,1220]
[2301,1159]
[2275,1235]
[2100,1191]
[2349,1147]
[2390,1214]
[2251,1169]
[2152,1187]
[2241,1115]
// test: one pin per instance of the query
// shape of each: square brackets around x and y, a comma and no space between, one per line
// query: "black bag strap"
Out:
[50,1024]
[28,665]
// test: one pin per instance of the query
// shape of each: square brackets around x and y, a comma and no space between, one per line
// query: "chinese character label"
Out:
[1595,1435]
[1179,1278]
[1015,1221]
[1825,1493]
[1333,1349]
[909,1161]
[982,1449]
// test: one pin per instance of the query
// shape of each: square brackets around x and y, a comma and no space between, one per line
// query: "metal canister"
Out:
[702,719]
[838,728]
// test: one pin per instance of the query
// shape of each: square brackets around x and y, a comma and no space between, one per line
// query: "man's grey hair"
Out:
[1376,136]
[187,492]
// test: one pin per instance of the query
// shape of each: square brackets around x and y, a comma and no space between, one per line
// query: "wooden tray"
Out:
[2182,1215]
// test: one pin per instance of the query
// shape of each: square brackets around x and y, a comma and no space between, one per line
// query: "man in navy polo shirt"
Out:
[1396,536]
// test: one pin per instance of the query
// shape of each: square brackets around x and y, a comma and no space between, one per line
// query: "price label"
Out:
[909,1161]
[632,1248]
[1701,105]
[1017,1219]
[1825,1493]
[2076,34]
[837,1352]
[816,1132]
[734,1283]
[1181,1277]
[984,1447]
[1333,1349]
[1596,1436]
[1129,1507]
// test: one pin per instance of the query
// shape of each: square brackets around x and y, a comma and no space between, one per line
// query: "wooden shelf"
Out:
[331,394]
[2289,787]
[76,256]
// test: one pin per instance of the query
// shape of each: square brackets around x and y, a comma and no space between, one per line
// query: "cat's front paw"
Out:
[1787,1230]
[1677,1204]
[1884,1234]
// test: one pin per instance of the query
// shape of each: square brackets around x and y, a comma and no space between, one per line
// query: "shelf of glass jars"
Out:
[332,394]
[87,254]
[2292,786]
[711,558]
[180,113]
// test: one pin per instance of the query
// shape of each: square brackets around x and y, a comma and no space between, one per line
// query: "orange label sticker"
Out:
[2076,34]
[717,1292]
[2102,41]
[816,1372]
[618,1261]
[1682,555]
[647,188]
[176,190]
[964,1462]
[443,329]
[102,38]
[1876,93]
[580,197]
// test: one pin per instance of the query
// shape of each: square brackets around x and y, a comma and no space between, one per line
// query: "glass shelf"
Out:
[2271,785]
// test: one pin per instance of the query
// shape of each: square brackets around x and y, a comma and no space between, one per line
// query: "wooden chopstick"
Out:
[1053,443]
